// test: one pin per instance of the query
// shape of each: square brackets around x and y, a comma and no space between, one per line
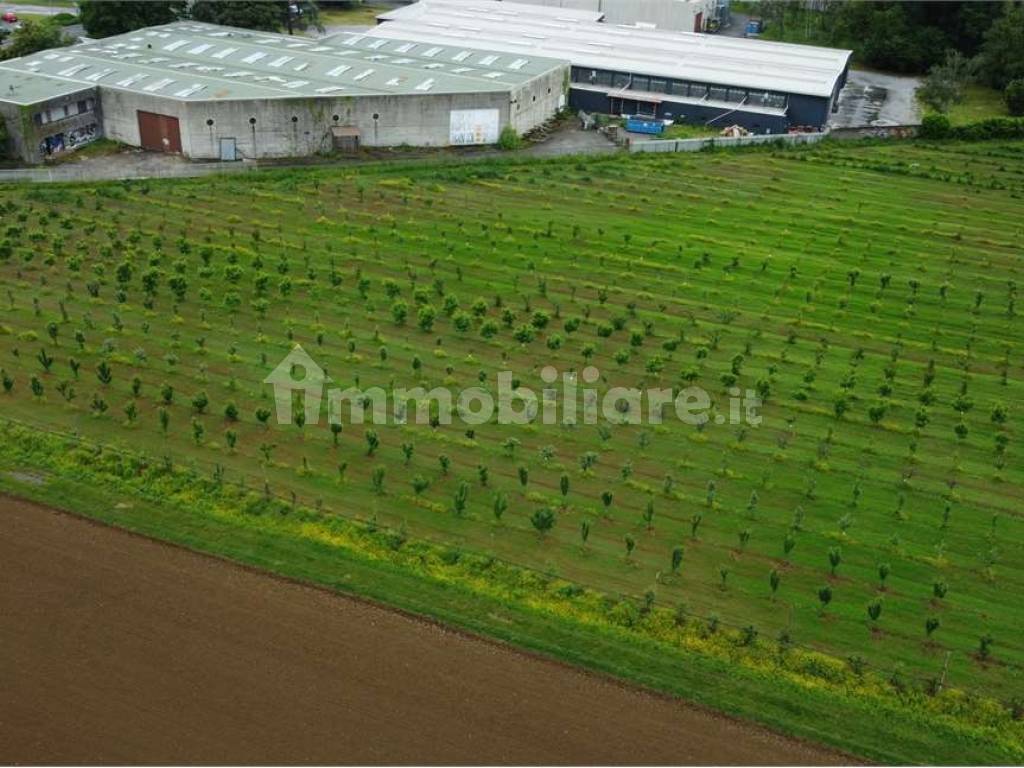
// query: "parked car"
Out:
[9,17]
[754,28]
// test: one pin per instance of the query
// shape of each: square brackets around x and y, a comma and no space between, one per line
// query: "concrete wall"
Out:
[24,136]
[697,145]
[301,127]
[296,127]
[535,102]
[120,114]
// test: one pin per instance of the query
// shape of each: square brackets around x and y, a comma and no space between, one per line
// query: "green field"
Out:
[868,290]
[979,103]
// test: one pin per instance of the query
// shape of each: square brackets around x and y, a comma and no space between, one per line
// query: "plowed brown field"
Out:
[118,649]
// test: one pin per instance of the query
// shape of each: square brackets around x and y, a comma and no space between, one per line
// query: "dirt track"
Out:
[118,649]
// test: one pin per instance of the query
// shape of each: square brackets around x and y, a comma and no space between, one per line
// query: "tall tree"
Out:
[102,18]
[273,16]
[1002,54]
[34,36]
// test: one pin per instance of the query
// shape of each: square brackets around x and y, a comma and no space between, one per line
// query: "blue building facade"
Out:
[759,111]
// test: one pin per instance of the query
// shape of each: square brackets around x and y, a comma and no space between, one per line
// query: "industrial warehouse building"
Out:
[207,91]
[437,73]
[680,15]
[766,87]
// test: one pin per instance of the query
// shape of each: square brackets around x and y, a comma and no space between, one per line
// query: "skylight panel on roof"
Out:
[131,80]
[338,70]
[432,52]
[462,55]
[330,89]
[434,65]
[300,67]
[182,65]
[280,61]
[405,47]
[377,57]
[296,83]
[238,73]
[426,85]
[252,58]
[461,70]
[377,43]
[363,75]
[353,40]
[493,75]
[201,48]
[158,85]
[184,93]
[175,45]
[223,53]
[206,68]
[95,76]
[488,61]
[70,71]
[518,64]
[403,61]
[321,49]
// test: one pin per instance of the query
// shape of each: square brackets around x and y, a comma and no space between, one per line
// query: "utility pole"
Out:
[292,11]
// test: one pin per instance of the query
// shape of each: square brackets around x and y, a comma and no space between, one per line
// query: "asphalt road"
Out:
[36,10]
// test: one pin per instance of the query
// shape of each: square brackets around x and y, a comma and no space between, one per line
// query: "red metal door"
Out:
[159,133]
[698,22]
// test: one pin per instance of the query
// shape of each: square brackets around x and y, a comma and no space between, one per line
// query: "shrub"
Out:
[1014,97]
[935,127]
[543,520]
[509,139]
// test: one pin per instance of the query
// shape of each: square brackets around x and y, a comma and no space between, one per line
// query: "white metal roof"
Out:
[203,62]
[521,10]
[514,27]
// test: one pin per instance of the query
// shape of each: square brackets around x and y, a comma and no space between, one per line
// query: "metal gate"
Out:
[227,150]
[159,133]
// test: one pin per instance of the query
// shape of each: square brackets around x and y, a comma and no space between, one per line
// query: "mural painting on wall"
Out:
[69,140]
[79,136]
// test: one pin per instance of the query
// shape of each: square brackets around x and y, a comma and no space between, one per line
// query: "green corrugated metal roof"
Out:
[204,62]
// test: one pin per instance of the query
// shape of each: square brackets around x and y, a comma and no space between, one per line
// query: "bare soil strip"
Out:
[118,649]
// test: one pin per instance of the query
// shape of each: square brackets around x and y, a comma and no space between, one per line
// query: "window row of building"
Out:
[72,108]
[681,88]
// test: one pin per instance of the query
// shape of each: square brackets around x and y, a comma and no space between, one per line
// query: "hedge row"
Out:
[939,127]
